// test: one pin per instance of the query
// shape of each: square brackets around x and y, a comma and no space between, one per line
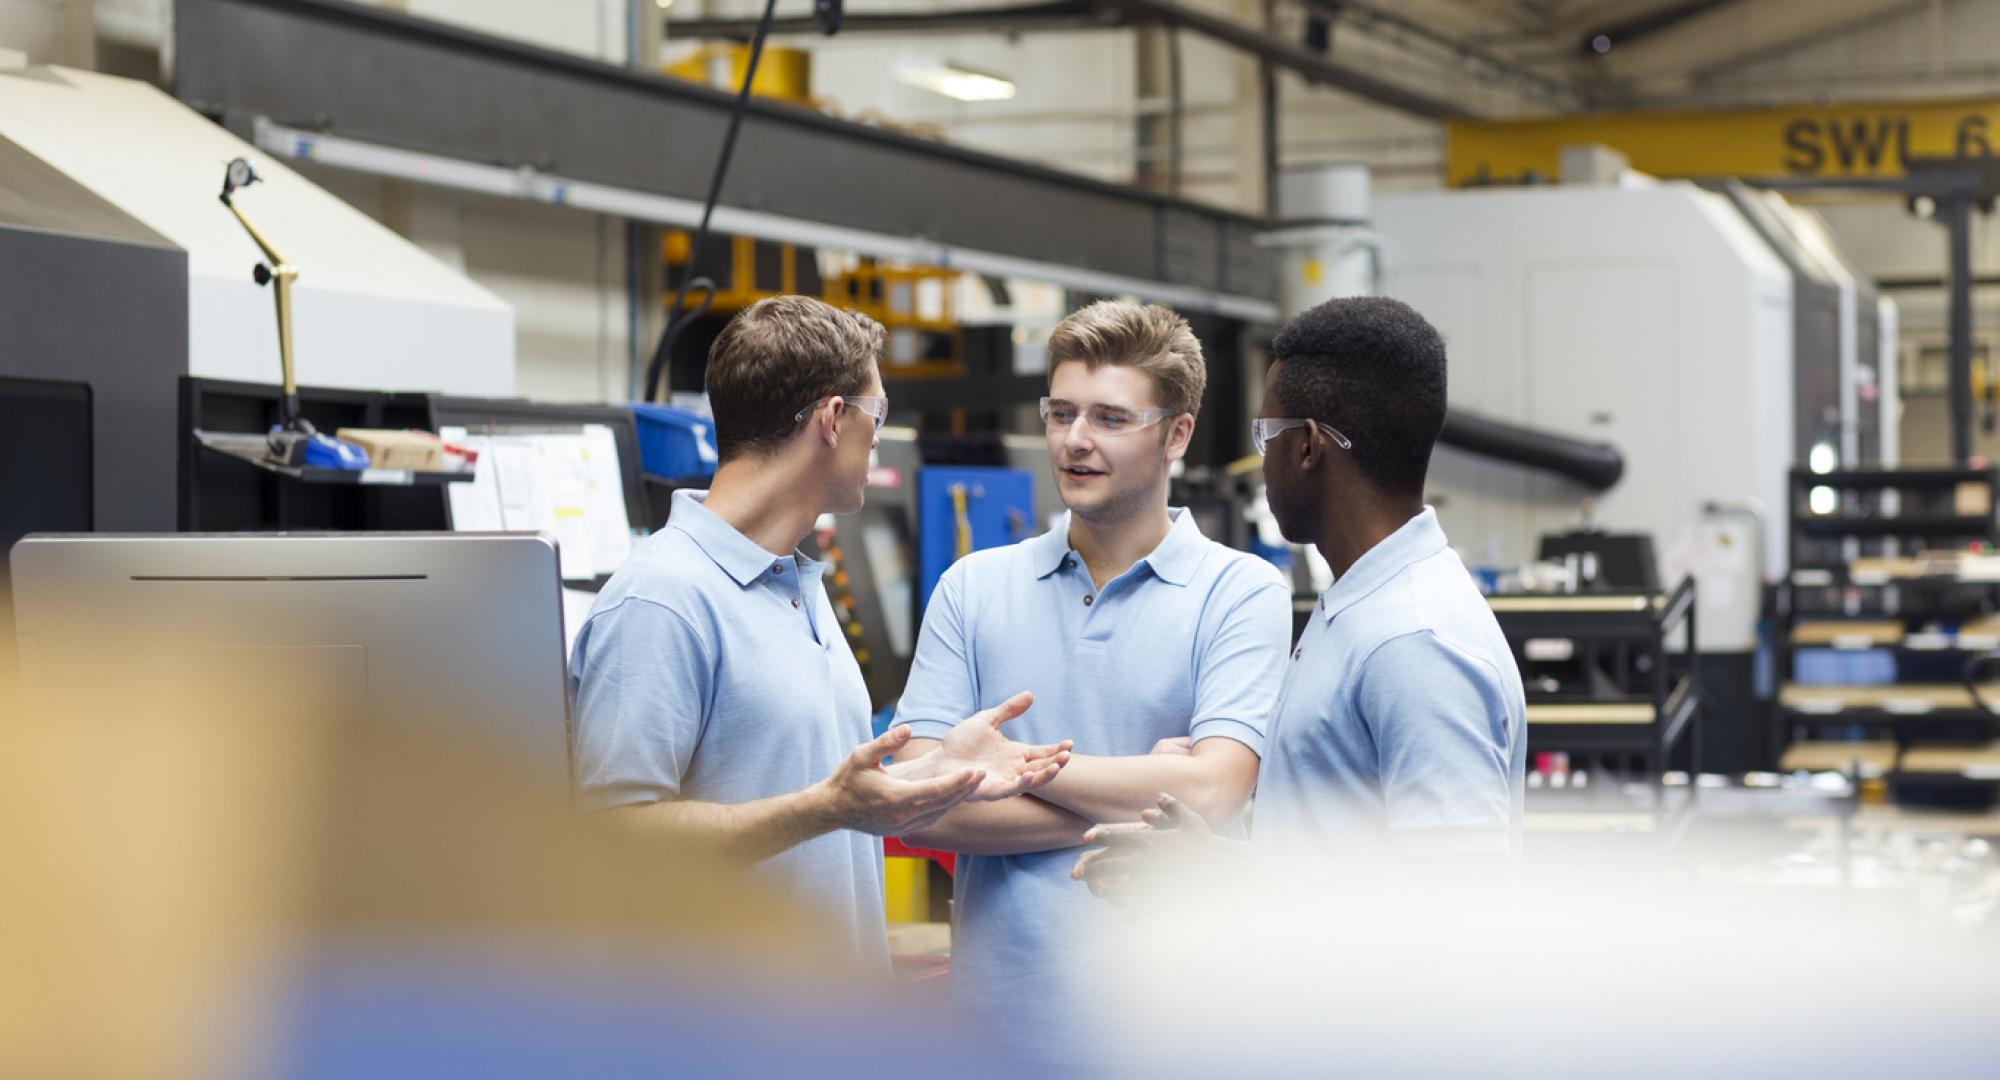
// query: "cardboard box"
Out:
[417,451]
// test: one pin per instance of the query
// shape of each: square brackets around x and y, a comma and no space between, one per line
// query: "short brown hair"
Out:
[776,357]
[1154,339]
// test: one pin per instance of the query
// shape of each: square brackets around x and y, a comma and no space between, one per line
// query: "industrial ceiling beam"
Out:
[1623,26]
[1110,14]
[1311,66]
[1372,15]
[1733,32]
[1025,18]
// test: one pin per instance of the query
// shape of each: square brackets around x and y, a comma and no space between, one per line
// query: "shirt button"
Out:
[1089,600]
[1296,653]
[1069,564]
[795,603]
[778,568]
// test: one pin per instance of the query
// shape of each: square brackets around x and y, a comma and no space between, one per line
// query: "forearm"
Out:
[748,832]
[1114,789]
[1015,826]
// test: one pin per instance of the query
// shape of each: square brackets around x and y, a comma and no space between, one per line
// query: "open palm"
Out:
[1010,768]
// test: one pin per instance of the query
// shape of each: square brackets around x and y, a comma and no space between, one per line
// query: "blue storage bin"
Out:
[674,443]
[1844,667]
[1277,555]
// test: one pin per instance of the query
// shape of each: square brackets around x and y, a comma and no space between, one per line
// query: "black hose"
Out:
[1594,465]
[677,316]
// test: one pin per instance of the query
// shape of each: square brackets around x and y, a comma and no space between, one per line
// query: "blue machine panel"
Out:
[999,505]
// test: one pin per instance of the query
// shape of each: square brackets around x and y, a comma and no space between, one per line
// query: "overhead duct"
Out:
[1596,466]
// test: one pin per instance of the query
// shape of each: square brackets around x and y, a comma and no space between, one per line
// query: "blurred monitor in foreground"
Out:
[270,863]
[453,632]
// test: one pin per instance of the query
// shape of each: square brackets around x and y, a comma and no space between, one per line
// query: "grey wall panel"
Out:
[1815,329]
[382,77]
[114,315]
[1247,268]
[1190,250]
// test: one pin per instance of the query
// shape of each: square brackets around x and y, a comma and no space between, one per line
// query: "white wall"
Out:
[33,27]
[593,28]
[562,270]
[1082,121]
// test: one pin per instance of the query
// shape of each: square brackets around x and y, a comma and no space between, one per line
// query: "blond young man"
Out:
[1157,650]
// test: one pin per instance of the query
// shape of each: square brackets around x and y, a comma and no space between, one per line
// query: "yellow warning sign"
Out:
[1836,142]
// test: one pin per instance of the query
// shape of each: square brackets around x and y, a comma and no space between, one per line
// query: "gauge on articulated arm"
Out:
[239,175]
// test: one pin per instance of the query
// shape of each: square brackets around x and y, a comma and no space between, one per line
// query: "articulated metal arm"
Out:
[279,273]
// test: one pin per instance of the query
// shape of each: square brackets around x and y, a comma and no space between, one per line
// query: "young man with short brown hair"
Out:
[716,698]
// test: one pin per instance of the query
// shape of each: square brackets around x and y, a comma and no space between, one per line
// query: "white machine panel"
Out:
[374,311]
[1649,316]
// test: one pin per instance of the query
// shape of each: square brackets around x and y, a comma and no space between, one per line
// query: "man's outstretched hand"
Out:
[1167,837]
[976,744]
[862,794]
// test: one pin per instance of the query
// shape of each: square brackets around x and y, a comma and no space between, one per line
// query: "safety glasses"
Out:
[1112,420]
[877,407]
[1264,429]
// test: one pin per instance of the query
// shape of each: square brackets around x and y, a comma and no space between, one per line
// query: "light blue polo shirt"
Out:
[1403,724]
[1188,642]
[711,669]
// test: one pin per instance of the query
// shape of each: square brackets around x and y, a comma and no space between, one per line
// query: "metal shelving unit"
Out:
[1623,691]
[1858,587]
[251,450]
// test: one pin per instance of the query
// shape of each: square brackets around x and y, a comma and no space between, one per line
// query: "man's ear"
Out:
[1179,433]
[1313,450]
[827,421]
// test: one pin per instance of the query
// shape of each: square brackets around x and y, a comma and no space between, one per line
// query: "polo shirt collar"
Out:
[1173,561]
[1418,538]
[742,558]
[1047,551]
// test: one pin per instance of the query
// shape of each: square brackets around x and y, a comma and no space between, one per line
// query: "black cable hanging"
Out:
[829,13]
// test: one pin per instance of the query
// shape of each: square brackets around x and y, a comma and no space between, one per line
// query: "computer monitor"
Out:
[456,633]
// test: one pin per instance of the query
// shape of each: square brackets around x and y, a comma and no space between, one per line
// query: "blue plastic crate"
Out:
[1844,667]
[674,443]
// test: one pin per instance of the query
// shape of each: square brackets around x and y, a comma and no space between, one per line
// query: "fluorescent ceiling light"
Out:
[954,80]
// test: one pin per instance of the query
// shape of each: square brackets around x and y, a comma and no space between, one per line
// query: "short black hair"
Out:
[1373,369]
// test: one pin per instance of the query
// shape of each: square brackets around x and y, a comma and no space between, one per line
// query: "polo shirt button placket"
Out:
[779,568]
